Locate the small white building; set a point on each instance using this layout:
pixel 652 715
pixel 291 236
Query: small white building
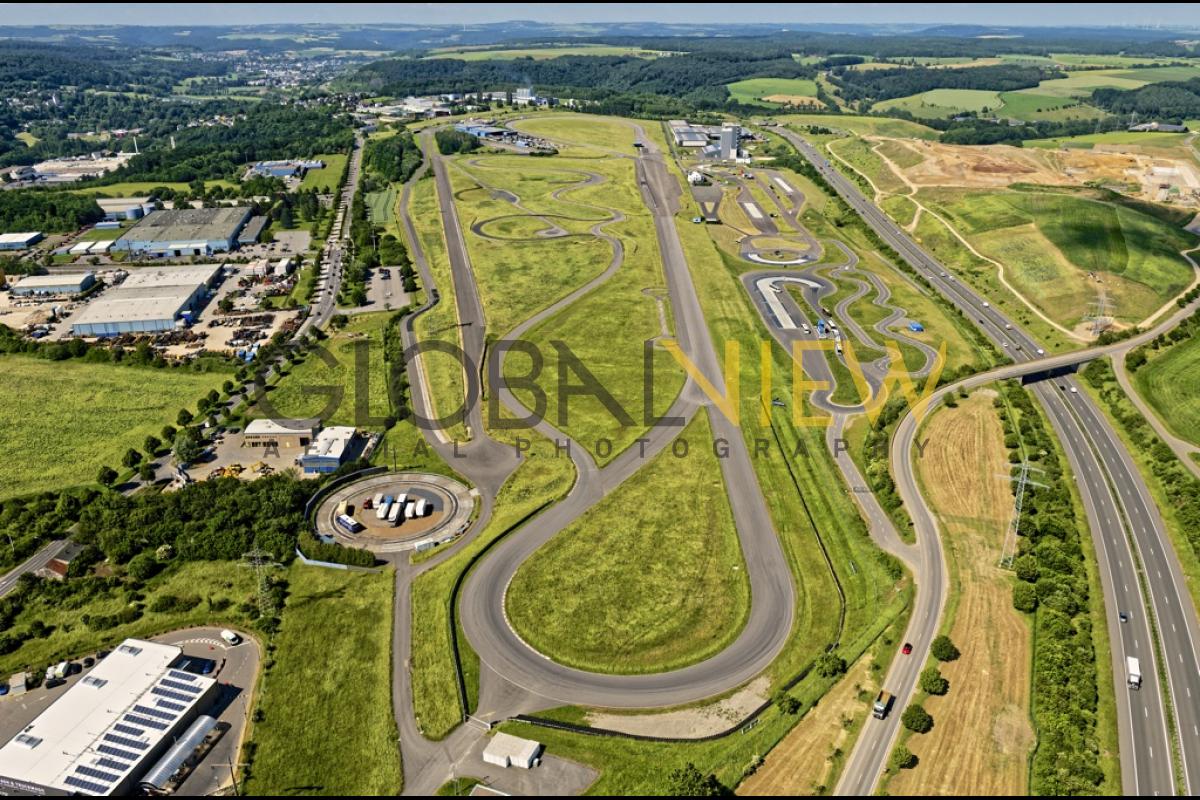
pixel 505 750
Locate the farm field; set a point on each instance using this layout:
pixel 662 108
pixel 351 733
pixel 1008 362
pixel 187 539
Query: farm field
pixel 1049 242
pixel 1168 381
pixel 1028 106
pixel 803 760
pixel 604 596
pixel 774 91
pixel 938 103
pixel 329 611
pixel 77 416
pixel 981 740
pixel 326 179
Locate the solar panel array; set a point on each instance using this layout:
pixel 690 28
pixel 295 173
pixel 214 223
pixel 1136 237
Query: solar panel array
pixel 125 745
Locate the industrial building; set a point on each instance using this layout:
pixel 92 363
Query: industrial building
pixel 148 301
pixel 686 135
pixel 57 284
pixel 728 141
pixel 285 169
pixel 280 432
pixel 251 231
pixel 185 232
pixel 111 728
pixel 19 241
pixel 329 450
pixel 119 208
pixel 506 750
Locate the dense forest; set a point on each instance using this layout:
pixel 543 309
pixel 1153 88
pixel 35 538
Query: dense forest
pixel 873 85
pixel 1174 101
pixel 588 77
pixel 221 151
pixel 47 211
pixel 395 158
pixel 28 65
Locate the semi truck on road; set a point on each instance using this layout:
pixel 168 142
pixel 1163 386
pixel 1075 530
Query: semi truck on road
pixel 883 704
pixel 1133 672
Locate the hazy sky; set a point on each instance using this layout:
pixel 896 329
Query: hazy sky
pixel 249 13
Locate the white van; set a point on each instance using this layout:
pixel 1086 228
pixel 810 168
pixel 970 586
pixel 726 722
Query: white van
pixel 230 637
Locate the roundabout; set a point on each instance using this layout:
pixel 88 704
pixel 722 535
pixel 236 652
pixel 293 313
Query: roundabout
pixel 418 510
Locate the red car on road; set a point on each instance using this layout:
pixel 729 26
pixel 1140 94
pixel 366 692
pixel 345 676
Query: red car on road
pixel 907 649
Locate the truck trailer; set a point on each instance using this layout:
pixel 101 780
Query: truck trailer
pixel 1133 672
pixel 883 704
pixel 385 505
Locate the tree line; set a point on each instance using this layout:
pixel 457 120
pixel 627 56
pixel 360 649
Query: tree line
pixel 1052 584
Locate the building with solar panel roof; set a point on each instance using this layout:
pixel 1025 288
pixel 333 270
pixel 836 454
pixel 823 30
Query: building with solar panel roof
pixel 110 728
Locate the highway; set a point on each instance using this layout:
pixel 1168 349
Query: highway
pixel 1124 522
pixel 32 564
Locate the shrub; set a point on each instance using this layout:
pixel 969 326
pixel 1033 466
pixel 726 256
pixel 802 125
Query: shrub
pixel 933 682
pixel 917 719
pixel 943 649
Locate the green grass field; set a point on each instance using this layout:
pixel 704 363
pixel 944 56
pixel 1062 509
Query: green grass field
pixel 309 706
pixel 1142 139
pixel 593 134
pixel 28 138
pixel 1029 106
pixel 1170 382
pixel 649 580
pixel 543 53
pixel 938 103
pixel 381 206
pixel 1082 84
pixel 325 179
pixel 870 126
pixel 752 91
pixel 1049 242
pixel 69 638
pixel 139 188
pixel 76 417
pixel 859 154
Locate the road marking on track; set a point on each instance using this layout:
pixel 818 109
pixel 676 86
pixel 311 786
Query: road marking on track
pixel 752 210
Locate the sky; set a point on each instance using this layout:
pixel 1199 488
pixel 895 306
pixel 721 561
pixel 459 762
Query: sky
pixel 1028 14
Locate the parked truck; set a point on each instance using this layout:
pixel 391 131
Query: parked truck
pixel 1133 672
pixel 393 516
pixel 385 505
pixel 883 704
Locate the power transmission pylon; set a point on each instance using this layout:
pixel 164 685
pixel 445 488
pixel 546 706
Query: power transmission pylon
pixel 261 562
pixel 1009 550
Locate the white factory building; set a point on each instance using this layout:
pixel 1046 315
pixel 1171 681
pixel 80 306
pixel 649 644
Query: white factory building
pixel 109 729
pixel 151 300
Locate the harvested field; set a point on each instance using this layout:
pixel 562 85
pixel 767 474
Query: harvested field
pixel 801 762
pixel 982 736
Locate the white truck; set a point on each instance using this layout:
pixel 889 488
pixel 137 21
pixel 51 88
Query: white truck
pixel 422 507
pixel 383 507
pixel 883 704
pixel 1133 672
pixel 410 510
pixel 393 516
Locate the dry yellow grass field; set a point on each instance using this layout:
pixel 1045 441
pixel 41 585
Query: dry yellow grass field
pixel 801 762
pixel 982 735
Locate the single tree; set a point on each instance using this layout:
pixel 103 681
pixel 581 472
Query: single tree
pixel 943 649
pixel 917 719
pixel 107 476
